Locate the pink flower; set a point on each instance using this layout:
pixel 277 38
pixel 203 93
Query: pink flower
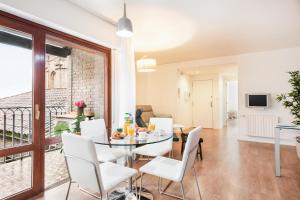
pixel 80 104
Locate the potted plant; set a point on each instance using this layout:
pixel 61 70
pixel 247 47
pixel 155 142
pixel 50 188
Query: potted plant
pixel 76 124
pixel 291 100
pixel 61 127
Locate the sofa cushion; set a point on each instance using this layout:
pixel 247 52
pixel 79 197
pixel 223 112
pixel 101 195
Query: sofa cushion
pixel 147 112
pixel 146 116
pixel 145 108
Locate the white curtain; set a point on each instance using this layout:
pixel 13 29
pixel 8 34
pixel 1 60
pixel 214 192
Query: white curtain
pixel 124 92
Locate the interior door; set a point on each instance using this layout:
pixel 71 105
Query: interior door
pixel 202 103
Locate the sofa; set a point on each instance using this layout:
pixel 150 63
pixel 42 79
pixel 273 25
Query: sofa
pixel 145 112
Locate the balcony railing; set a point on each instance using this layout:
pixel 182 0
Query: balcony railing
pixel 16 126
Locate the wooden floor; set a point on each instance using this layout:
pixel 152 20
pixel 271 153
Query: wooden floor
pixel 231 169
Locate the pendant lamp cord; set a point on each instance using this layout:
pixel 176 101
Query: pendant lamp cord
pixel 124 9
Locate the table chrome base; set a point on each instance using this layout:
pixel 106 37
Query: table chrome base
pixel 124 194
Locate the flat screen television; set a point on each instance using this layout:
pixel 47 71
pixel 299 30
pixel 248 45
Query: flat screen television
pixel 258 100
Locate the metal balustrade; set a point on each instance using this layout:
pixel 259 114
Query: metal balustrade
pixel 16 126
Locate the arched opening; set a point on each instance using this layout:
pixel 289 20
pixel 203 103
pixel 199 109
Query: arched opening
pixel 52 79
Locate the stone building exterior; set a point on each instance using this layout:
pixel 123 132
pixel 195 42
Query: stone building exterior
pixel 82 75
pixel 86 81
pixel 79 76
pixel 56 72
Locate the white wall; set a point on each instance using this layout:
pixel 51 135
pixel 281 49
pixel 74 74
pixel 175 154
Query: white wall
pixel 64 16
pixel 232 96
pixel 257 72
pixel 160 89
pixel 266 72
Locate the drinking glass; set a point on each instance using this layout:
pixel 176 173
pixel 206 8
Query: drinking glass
pixel 151 127
pixel 130 131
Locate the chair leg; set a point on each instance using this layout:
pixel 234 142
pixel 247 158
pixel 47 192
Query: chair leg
pixel 171 154
pixel 141 186
pixel 195 175
pixel 162 190
pixel 159 185
pixel 200 149
pixel 69 186
pixel 107 196
pixel 126 161
pixel 136 187
pixel 182 190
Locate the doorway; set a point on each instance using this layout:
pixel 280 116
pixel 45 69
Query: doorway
pixel 231 98
pixel 203 103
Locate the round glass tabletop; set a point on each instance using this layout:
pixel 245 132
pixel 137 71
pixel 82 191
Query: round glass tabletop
pixel 150 138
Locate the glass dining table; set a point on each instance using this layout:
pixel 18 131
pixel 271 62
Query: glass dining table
pixel 129 143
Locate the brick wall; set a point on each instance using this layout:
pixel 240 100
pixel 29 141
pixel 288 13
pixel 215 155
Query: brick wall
pixel 86 81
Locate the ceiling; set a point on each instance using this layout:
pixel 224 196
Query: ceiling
pixel 210 69
pixel 181 30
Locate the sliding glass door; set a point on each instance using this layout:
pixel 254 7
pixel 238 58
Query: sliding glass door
pixel 73 73
pixel 21 65
pixel 43 73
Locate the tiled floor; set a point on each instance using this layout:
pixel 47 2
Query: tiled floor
pixel 16 176
pixel 55 168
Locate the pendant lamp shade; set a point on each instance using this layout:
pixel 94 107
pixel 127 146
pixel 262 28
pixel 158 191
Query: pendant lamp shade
pixel 124 26
pixel 146 65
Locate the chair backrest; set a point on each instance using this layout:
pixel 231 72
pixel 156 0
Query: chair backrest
pixel 165 124
pixel 82 162
pixel 190 151
pixel 93 128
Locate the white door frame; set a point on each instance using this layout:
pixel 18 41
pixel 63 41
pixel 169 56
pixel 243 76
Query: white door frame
pixel 212 100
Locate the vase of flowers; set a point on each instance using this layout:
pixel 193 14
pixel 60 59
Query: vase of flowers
pixel 291 100
pixel 80 107
pixel 80 116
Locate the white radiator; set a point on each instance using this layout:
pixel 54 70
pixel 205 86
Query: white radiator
pixel 261 125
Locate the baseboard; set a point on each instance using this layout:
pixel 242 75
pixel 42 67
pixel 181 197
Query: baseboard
pixel 283 141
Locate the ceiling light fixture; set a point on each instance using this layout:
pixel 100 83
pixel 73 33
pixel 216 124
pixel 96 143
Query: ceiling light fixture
pixel 124 25
pixel 146 65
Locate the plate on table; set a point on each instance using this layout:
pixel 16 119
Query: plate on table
pixel 117 136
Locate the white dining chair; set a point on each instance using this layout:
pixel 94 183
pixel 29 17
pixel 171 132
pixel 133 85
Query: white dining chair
pixel 162 148
pixel 84 168
pixel 175 170
pixel 97 128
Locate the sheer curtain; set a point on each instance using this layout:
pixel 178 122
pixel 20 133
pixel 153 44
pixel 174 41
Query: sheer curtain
pixel 124 82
